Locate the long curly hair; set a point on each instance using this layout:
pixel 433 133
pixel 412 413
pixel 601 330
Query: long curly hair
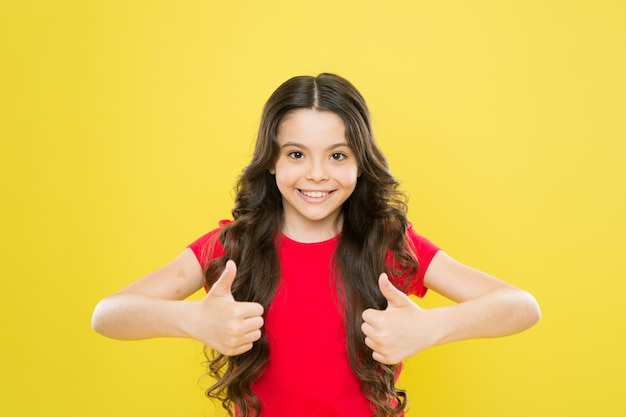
pixel 374 228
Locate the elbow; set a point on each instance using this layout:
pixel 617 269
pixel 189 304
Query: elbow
pixel 521 310
pixel 98 318
pixel 531 310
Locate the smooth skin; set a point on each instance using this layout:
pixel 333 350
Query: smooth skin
pixel 486 307
pixel 316 172
pixel 155 306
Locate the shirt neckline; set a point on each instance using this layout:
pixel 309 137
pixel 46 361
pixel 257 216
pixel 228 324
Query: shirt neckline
pixel 289 240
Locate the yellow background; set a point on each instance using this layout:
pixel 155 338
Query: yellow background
pixel 125 123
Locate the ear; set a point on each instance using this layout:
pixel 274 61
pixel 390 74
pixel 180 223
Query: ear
pixel 272 170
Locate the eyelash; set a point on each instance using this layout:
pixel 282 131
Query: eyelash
pixel 336 156
pixel 295 155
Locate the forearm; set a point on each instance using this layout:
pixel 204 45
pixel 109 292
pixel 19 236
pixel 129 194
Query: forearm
pixel 128 316
pixel 501 312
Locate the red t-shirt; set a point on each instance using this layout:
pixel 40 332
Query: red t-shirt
pixel 308 373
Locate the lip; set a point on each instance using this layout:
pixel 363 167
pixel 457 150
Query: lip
pixel 315 196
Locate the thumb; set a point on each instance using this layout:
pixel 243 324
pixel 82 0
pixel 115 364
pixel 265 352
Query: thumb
pixel 222 286
pixel 395 297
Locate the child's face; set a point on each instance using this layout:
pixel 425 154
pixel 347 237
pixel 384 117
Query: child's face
pixel 316 170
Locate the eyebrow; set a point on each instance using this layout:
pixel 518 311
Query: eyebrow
pixel 299 145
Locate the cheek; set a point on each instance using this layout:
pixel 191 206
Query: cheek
pixel 285 176
pixel 348 177
pixel 353 172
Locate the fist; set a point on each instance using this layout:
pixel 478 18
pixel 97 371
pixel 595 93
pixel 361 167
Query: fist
pixel 392 333
pixel 226 325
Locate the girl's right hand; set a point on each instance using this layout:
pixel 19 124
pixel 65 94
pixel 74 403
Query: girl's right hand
pixel 221 322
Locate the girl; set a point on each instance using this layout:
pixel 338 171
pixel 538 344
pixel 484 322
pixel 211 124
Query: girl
pixel 307 312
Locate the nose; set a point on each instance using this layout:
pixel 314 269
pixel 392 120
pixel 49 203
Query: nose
pixel 317 171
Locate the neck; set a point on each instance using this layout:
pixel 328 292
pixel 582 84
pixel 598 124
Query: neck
pixel 311 232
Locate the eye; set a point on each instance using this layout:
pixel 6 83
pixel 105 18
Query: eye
pixel 337 156
pixel 296 155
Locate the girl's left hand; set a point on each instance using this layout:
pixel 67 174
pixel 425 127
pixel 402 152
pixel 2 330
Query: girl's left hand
pixel 401 330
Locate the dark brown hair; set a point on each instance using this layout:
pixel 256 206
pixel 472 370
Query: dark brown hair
pixel 374 226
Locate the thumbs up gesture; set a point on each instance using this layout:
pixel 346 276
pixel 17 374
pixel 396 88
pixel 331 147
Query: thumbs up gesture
pixel 221 322
pixel 399 331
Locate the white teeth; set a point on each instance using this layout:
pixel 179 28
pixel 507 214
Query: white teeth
pixel 314 194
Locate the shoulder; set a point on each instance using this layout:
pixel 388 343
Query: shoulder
pixel 209 245
pixel 424 249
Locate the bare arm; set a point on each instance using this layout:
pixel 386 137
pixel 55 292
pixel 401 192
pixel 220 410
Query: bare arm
pixel 151 306
pixel 155 306
pixel 486 307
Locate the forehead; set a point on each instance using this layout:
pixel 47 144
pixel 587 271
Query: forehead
pixel 311 124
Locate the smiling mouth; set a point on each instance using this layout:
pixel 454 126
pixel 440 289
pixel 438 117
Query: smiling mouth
pixel 315 194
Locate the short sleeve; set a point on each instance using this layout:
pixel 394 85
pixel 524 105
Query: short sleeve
pixel 425 250
pixel 208 246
